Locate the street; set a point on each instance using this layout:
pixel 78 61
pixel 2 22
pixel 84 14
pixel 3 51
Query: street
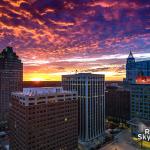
pixel 122 142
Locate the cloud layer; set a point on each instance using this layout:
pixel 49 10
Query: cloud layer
pixel 55 37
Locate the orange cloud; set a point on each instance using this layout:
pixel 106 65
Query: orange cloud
pixel 47 11
pixel 103 4
pixel 115 4
pixel 62 23
pixel 15 3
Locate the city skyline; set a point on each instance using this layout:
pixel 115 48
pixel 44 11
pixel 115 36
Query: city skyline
pixel 61 36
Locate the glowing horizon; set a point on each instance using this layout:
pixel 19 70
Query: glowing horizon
pixel 39 77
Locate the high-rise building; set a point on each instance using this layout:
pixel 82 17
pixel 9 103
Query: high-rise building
pixel 135 69
pixel 11 79
pixel 140 101
pixel 43 119
pixel 140 106
pixel 138 83
pixel 117 104
pixel 91 96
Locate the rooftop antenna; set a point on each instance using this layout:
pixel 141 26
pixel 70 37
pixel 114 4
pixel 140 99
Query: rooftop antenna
pixel 76 71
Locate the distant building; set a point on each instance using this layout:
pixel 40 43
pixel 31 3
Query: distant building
pixel 44 119
pixel 91 96
pixel 29 84
pixel 117 104
pixel 140 101
pixel 11 79
pixel 135 69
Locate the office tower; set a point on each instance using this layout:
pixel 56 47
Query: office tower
pixel 140 101
pixel 136 68
pixel 117 104
pixel 11 78
pixel 90 89
pixel 140 105
pixel 44 119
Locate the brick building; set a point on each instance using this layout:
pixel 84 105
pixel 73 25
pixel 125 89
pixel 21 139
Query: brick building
pixel 44 119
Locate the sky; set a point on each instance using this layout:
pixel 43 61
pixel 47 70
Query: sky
pixel 55 37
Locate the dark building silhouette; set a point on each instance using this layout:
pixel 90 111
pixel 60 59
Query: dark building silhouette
pixel 44 119
pixel 11 79
pixel 117 104
pixel 29 84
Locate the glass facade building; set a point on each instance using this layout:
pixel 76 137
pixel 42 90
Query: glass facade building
pixel 43 119
pixel 140 101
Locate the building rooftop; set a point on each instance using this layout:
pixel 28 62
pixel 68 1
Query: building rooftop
pixel 142 61
pixel 40 91
pixel 8 54
pixel 137 61
pixel 84 75
pixel 44 95
pixel 130 55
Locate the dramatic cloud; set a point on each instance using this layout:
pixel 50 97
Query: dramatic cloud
pixel 55 37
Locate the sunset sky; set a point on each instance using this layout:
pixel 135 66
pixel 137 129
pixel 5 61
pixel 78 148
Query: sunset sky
pixel 55 37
